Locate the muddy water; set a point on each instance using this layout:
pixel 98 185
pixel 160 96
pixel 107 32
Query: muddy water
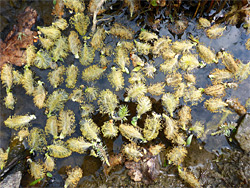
pixel 233 41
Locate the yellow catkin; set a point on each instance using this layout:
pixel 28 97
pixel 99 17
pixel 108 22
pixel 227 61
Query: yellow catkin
pixel 42 60
pixel 215 31
pixel 71 73
pixel 37 139
pixel 60 50
pixel 152 126
pixel 98 38
pixel 9 101
pixel 156 89
pixel 36 170
pixel 55 77
pixel 28 81
pixel 39 95
pixel 66 123
pixel 177 155
pixel 130 132
pixel 78 145
pixel 89 129
pixel 107 102
pixel 7 76
pixel 49 163
pixel 81 23
pixel 52 126
pixel 74 44
pixel 121 31
pixel 92 73
pixel 74 177
pixel 189 178
pixel 132 152
pixel 109 129
pixel 116 79
pixel 59 150
pixel 18 121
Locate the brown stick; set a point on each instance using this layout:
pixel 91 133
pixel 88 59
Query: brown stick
pixel 98 6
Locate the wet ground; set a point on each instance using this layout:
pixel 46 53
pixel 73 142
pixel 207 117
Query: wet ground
pixel 214 160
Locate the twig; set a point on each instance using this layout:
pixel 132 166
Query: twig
pixel 98 6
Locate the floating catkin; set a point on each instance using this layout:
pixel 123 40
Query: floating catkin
pixel 71 73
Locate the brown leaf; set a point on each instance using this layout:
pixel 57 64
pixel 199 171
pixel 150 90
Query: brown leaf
pixel 13 47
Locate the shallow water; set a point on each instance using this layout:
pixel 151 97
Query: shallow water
pixel 233 41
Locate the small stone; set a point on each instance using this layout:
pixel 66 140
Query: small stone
pixel 243 133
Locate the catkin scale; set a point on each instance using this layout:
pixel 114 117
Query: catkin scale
pixel 98 38
pixel 147 36
pixel 81 23
pixel 189 178
pixel 156 89
pixel 121 58
pixel 215 31
pixel 215 90
pixel 75 5
pixel 136 90
pixel 215 105
pixel 170 102
pixel 60 23
pixel 50 32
